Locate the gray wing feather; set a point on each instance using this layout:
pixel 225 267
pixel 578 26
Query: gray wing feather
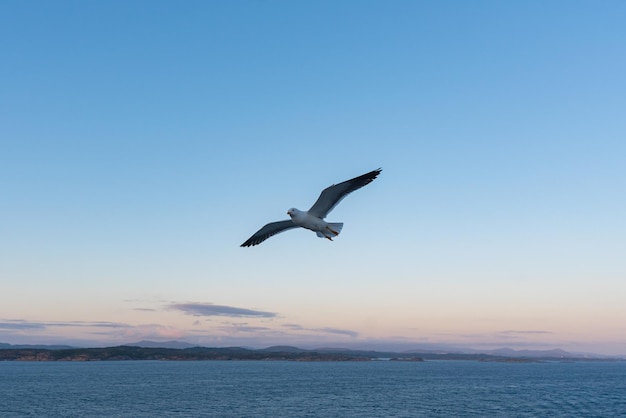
pixel 267 231
pixel 331 196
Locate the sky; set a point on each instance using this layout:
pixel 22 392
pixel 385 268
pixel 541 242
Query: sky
pixel 142 142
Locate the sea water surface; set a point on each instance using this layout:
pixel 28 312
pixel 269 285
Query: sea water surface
pixel 315 389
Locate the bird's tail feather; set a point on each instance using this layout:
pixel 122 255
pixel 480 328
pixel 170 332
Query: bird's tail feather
pixel 335 229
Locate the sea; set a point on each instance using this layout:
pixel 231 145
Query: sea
pixel 449 388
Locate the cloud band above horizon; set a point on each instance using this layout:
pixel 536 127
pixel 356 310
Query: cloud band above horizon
pixel 208 309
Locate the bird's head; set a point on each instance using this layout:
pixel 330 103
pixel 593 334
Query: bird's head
pixel 292 212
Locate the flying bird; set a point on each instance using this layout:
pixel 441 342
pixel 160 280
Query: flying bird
pixel 313 218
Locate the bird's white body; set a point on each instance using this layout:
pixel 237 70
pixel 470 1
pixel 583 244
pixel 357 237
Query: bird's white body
pixel 323 229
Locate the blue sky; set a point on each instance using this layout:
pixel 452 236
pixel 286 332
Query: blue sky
pixel 142 142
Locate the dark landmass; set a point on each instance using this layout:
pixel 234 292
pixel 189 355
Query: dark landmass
pixel 146 353
pixel 286 349
pixel 161 344
pixel 238 353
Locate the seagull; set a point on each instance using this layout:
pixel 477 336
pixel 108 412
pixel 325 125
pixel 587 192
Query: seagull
pixel 313 218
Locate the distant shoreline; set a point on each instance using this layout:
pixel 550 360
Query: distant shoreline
pixel 122 353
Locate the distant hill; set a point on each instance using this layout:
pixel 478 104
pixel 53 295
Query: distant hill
pixel 506 352
pixel 161 344
pixel 509 352
pixel 556 353
pixel 283 349
pixel 176 350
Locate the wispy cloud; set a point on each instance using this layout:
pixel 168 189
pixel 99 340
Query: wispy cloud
pixel 18 324
pixel 522 332
pixel 338 331
pixel 21 324
pixel 242 328
pixel 208 309
pixel 87 332
pixel 296 327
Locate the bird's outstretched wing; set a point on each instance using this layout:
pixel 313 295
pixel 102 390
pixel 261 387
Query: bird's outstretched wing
pixel 331 196
pixel 267 231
